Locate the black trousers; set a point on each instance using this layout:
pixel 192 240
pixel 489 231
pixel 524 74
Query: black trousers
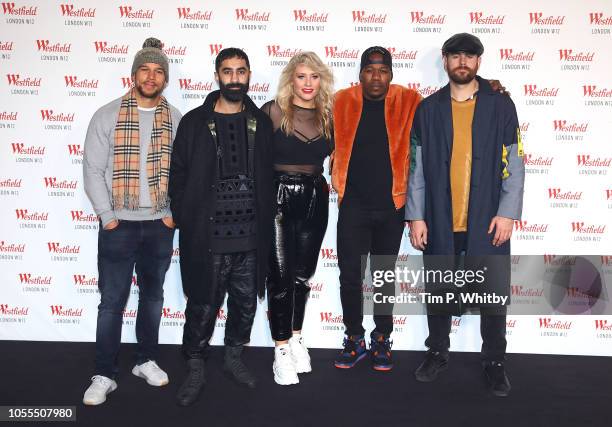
pixel 363 231
pixel 492 324
pixel 233 273
pixel 299 227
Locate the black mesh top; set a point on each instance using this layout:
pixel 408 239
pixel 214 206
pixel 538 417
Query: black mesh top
pixel 305 146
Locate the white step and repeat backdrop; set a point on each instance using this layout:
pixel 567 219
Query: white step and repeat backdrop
pixel 60 61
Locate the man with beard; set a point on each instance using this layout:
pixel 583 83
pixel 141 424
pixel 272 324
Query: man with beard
pixel 465 191
pixel 125 167
pixel 221 191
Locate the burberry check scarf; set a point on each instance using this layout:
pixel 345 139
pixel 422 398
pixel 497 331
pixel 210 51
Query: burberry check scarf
pixel 126 162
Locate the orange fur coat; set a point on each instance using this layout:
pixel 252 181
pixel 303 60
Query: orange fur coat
pixel 400 105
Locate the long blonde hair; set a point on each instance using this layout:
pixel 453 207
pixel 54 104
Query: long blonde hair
pixel 323 100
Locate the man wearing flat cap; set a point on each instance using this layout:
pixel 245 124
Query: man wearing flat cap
pixel 372 123
pixel 465 191
pixel 126 166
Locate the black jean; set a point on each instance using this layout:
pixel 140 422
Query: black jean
pixel 363 231
pixel 145 246
pixel 300 222
pixel 492 324
pixel 233 273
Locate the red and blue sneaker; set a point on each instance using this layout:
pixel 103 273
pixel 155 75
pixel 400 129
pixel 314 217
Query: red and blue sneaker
pixel 380 352
pixel 354 350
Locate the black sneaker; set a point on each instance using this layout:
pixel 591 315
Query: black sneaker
pixel 434 363
pixel 354 350
pixel 498 381
pixel 380 352
pixel 193 384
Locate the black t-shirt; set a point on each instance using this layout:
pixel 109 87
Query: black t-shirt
pixel 369 179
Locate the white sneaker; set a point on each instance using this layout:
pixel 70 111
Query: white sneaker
pixel 99 388
pixel 152 373
pixel 299 352
pixel 283 367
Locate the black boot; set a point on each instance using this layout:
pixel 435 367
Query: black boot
pixel 235 369
pixel 193 384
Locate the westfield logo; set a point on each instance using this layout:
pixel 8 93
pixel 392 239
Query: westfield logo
pixel 329 317
pixel 580 227
pixel 129 13
pixel 334 52
pixel 525 227
pixel 10 9
pixel 126 82
pixel 28 279
pixel 557 194
pixel 420 18
pixel 215 49
pixel 362 17
pixel 75 150
pixel 168 313
pixel 424 91
pixel 80 216
pixel 531 160
pixel 275 50
pixel 533 90
pixel 50 116
pixel 403 54
pixel 186 84
pixel 259 87
pixel 597 162
pixel 592 92
pixel 603 325
pixel 559 261
pixel 563 126
pixel 25 215
pixel 328 254
pixel 221 315
pixel 12 116
pixel 548 323
pixel 59 310
pixel 538 18
pixel 245 15
pixel 198 15
pixel 6 46
pixel 510 55
pixel 479 18
pixel 53 182
pixel 69 10
pixel 57 248
pixel 302 15
pixel 46 46
pixel 73 81
pixel 521 291
pixel 19 148
pixel 12 247
pixel 7 310
pixel 597 18
pixel 83 280
pixel 570 56
pixel 16 80
pixel 104 47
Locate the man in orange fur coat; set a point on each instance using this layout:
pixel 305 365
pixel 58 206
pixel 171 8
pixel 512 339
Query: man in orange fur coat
pixel 372 124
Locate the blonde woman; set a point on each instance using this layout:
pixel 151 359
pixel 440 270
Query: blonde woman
pixel 301 114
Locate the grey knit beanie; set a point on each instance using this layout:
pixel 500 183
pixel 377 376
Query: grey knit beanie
pixel 151 52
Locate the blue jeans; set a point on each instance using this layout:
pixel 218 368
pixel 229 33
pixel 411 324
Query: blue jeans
pixel 145 246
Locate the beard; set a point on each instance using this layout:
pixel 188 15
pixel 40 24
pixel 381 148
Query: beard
pixel 234 92
pixel 150 95
pixel 462 78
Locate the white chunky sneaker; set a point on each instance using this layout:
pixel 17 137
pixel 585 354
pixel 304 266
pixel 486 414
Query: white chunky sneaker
pixel 283 367
pixel 99 388
pixel 299 352
pixel 152 373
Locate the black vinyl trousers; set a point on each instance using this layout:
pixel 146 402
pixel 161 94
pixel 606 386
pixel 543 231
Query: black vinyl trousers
pixel 361 232
pixel 300 222
pixel 233 273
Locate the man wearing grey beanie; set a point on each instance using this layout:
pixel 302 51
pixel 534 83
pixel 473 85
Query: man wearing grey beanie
pixel 126 166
